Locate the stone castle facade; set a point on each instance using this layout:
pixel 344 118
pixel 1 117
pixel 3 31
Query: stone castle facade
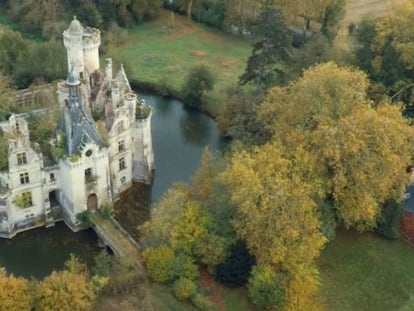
pixel 98 159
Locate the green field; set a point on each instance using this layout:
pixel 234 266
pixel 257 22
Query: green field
pixel 157 53
pixel 361 272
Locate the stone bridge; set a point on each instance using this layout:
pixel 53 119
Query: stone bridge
pixel 116 238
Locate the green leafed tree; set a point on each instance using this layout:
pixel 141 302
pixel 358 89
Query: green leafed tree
pixel 198 81
pixel 269 62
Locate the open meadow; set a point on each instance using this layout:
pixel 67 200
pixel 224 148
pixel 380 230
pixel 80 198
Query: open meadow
pixel 158 53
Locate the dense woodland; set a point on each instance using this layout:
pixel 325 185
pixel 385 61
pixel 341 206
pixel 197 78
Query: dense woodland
pixel 321 140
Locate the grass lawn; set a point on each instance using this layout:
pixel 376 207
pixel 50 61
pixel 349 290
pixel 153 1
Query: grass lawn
pixel 157 53
pixel 361 272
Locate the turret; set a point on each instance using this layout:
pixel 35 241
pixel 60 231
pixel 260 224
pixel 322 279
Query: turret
pixel 82 45
pixel 72 39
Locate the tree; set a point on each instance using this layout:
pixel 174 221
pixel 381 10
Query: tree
pixel 241 13
pixel 65 291
pixel 235 270
pixel 184 288
pixel 160 263
pixel 309 10
pixel 268 64
pixel 194 219
pixel 44 62
pixel 361 163
pixel 7 95
pixel 302 291
pixel 13 47
pixel 385 52
pixel 266 288
pixel 238 118
pixel 198 81
pixel 15 293
pixel 275 213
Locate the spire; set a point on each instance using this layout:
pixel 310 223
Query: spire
pixel 75 26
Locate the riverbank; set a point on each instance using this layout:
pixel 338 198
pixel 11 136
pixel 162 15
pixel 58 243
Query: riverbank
pixel 157 57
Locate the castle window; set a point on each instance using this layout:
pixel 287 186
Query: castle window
pixel 121 146
pixel 123 180
pixel 24 178
pixel 52 177
pixel 21 158
pixel 122 164
pixel 88 172
pixel 17 126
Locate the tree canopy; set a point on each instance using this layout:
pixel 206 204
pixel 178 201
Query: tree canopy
pixel 362 150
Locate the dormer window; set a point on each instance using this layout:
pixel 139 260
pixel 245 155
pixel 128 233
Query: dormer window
pixel 21 158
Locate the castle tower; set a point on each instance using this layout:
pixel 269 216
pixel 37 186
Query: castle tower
pixel 143 156
pixel 82 45
pixel 72 39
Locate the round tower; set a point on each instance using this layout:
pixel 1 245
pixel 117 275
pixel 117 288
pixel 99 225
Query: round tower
pixel 72 39
pixel 91 43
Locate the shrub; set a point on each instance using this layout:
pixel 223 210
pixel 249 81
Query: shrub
pixel 106 210
pixel 203 303
pixel 160 263
pixel 266 288
pixel 184 267
pixel 103 264
pixel 84 218
pixel 184 288
pixel 390 220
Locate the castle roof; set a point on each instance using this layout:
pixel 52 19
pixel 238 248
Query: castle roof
pixel 122 77
pixel 78 126
pixel 84 131
pixel 75 26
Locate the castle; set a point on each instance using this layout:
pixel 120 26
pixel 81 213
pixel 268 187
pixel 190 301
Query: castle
pixel 97 160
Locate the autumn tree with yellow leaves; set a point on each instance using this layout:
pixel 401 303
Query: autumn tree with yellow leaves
pixel 361 150
pixel 15 293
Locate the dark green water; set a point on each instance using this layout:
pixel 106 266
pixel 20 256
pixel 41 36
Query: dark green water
pixel 179 138
pixel 37 252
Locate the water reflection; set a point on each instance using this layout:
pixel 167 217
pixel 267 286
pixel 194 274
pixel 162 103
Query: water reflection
pixel 195 128
pixel 133 208
pixel 179 138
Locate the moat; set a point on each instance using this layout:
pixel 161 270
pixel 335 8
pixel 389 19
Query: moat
pixel 179 138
